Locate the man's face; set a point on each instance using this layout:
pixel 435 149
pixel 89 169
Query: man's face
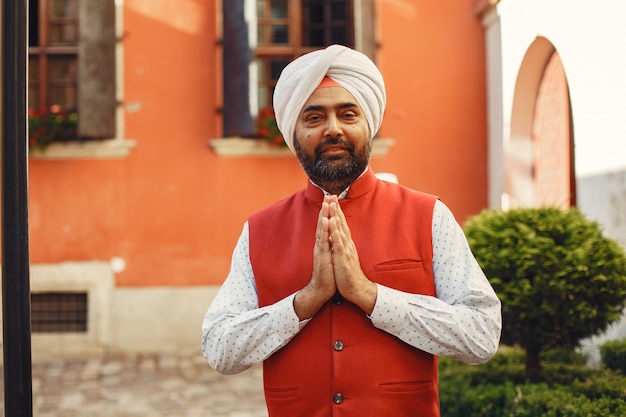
pixel 332 138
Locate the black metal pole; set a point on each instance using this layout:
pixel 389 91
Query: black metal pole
pixel 18 394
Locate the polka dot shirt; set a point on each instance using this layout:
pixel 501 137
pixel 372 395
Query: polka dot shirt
pixel 463 321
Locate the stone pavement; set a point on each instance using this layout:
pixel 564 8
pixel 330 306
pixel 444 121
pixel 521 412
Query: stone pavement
pixel 142 386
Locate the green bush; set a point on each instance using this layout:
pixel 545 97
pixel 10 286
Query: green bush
pixel 559 279
pixel 497 389
pixel 614 355
pixel 601 384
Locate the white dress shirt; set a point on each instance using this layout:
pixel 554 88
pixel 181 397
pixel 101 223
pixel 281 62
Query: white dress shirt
pixel 463 321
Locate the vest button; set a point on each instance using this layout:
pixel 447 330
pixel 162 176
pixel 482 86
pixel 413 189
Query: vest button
pixel 337 299
pixel 338 345
pixel 338 398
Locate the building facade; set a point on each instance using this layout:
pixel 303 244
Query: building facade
pixel 490 104
pixel 132 227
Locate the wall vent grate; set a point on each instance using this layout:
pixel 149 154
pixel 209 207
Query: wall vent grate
pixel 59 312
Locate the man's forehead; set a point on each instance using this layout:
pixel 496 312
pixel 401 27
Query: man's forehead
pixel 330 97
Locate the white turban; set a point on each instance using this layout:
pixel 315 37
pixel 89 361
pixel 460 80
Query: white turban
pixel 353 70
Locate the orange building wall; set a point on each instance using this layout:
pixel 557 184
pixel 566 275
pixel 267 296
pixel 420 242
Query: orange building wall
pixel 433 59
pixel 173 209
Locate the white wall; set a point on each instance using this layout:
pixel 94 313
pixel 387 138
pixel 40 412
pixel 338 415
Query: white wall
pixel 590 38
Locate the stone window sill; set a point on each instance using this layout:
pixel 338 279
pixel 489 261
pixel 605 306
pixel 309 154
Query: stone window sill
pixel 101 149
pixel 253 147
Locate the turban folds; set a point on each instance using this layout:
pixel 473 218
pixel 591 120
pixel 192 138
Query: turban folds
pixel 353 70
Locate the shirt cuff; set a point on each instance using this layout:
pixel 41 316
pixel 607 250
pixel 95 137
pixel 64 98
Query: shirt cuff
pixel 292 323
pixel 385 311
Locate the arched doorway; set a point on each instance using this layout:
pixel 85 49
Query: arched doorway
pixel 540 155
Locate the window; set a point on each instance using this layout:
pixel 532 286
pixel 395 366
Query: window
pixel 53 51
pixel 262 36
pixel 326 22
pixel 288 29
pixel 71 64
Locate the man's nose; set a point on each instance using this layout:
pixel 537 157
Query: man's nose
pixel 333 126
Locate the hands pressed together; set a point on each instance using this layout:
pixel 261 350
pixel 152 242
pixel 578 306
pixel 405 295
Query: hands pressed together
pixel 336 266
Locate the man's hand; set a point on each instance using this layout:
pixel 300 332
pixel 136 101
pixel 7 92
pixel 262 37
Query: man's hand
pixel 322 285
pixel 351 282
pixel 336 266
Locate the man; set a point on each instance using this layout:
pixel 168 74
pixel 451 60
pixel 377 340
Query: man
pixel 348 290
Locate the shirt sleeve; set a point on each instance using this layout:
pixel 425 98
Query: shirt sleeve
pixel 464 320
pixel 236 333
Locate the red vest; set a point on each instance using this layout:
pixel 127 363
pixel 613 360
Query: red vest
pixel 340 364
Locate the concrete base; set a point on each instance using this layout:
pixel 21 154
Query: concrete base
pixel 120 320
pixel 159 320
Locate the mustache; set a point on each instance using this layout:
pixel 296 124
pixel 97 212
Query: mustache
pixel 334 141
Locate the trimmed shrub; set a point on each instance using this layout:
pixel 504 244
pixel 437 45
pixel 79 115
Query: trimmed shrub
pixel 559 279
pixel 614 355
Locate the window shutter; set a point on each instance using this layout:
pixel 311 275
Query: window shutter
pixel 96 69
pixel 237 57
pixel 368 44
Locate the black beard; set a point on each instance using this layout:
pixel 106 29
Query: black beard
pixel 334 174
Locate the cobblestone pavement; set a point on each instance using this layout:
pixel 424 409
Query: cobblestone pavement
pixel 142 386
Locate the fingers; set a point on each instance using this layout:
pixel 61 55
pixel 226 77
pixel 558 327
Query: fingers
pixel 350 280
pixel 342 247
pixel 340 236
pixel 336 263
pixel 322 232
pixel 336 212
pixel 322 283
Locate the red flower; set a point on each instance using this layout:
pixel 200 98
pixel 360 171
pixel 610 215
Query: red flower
pixel 267 129
pixel 55 125
pixel 267 112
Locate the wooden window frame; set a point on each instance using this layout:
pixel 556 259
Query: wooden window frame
pixel 295 47
pixel 101 92
pixel 96 100
pixel 44 51
pixel 348 23
pixel 239 54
